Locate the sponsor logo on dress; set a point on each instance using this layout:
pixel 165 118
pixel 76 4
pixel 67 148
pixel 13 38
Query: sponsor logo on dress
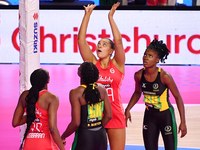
pixel 93 119
pixel 155 87
pixel 38 112
pixel 36 135
pixel 143 85
pixel 145 127
pixel 112 70
pixel 105 79
pixel 168 130
pixel 149 93
pixel 107 85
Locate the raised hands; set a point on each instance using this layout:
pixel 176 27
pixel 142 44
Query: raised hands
pixel 114 7
pixel 89 8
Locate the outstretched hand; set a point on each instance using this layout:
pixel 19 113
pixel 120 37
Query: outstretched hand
pixel 114 7
pixel 89 8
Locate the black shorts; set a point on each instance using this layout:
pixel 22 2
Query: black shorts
pixel 86 139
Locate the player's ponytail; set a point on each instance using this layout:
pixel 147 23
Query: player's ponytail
pixel 90 74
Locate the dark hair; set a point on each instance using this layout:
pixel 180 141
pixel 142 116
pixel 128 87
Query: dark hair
pixel 112 44
pixel 89 75
pixel 39 78
pixel 160 48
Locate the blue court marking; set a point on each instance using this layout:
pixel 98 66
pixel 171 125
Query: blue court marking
pixel 137 147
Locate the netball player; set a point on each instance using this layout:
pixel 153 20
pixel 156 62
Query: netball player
pixel 111 72
pixel 40 107
pixel 91 111
pixel 155 84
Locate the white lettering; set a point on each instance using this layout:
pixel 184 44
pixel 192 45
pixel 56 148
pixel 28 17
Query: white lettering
pixel 105 79
pixel 36 135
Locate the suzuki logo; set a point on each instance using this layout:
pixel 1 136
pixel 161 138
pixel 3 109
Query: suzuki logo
pixel 35 16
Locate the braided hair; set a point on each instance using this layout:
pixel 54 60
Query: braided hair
pixel 39 78
pixel 89 75
pixel 160 48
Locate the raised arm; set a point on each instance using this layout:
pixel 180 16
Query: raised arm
pixel 84 48
pixel 135 97
pixel 75 114
pixel 119 57
pixel 52 115
pixel 168 80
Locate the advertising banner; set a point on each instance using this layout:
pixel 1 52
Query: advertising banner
pixel 179 29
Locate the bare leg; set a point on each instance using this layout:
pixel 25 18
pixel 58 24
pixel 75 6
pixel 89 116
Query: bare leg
pixel 117 138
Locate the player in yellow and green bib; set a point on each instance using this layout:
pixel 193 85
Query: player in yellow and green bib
pixel 91 111
pixel 155 84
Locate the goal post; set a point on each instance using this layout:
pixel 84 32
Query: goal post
pixel 29 40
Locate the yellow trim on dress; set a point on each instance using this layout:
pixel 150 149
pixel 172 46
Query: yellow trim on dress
pixel 84 85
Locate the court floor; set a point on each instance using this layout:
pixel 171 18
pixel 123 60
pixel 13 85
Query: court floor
pixel 64 77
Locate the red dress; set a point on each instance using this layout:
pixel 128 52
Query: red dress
pixel 39 136
pixel 155 2
pixel 112 78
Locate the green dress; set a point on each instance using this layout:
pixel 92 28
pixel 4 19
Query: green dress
pixel 108 2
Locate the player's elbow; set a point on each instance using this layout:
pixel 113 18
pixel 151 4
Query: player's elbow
pixel 53 129
pixel 76 124
pixel 80 39
pixel 108 116
pixel 14 125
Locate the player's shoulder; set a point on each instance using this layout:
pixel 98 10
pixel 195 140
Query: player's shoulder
pixel 51 96
pixel 139 73
pixel 164 73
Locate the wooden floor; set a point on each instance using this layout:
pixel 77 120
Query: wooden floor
pixel 191 140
